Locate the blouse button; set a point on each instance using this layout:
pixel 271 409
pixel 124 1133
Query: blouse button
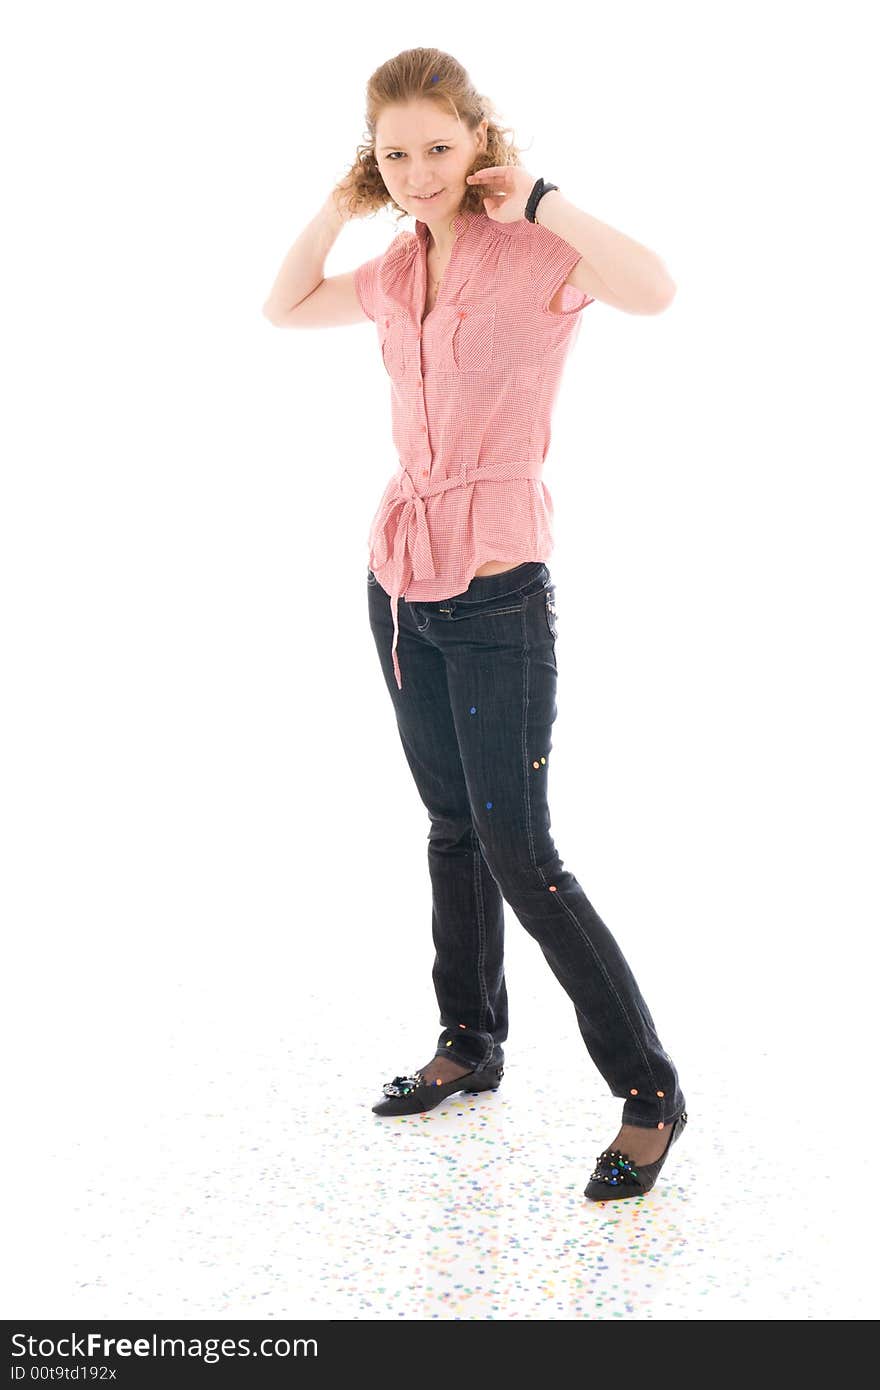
pixel 387 323
pixel 424 472
pixel 462 313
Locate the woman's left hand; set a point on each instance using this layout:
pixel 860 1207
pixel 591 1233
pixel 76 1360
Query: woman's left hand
pixel 509 186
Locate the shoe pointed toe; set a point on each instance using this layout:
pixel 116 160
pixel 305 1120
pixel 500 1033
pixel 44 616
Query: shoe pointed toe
pixel 408 1105
pixel 599 1191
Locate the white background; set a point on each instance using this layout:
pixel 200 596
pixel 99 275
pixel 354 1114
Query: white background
pixel 214 854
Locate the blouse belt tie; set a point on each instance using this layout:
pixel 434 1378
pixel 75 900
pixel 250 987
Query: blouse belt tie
pixel 412 535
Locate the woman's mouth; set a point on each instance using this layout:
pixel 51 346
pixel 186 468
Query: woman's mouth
pixel 430 197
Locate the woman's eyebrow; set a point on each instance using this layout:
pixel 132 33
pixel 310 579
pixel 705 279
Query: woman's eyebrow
pixel 443 140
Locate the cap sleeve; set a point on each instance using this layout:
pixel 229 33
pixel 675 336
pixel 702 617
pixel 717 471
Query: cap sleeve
pixel 366 282
pixel 552 260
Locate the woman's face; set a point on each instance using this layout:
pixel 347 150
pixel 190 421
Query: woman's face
pixel 422 149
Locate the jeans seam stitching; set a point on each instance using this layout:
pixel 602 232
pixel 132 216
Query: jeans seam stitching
pixel 585 936
pixel 481 935
pixel 527 800
pixel 522 588
pixel 498 612
pixel 414 610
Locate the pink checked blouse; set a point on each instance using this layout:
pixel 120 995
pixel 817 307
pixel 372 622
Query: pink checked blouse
pixel 472 392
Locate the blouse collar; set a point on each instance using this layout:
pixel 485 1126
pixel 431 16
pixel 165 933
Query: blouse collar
pixel 396 269
pixel 481 220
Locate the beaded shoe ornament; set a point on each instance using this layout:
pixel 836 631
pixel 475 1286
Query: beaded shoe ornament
pixel 403 1085
pixel 613 1166
pixel 615 1174
pixel 411 1094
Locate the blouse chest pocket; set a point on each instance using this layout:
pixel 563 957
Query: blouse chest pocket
pixel 392 339
pixel 466 336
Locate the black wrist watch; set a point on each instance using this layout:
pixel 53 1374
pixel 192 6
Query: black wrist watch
pixel 535 197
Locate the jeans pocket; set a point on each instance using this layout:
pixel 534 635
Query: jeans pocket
pixel 371 578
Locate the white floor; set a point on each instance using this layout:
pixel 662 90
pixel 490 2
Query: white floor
pixel 241 1174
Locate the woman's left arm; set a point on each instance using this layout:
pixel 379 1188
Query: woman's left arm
pixel 610 260
pixel 612 268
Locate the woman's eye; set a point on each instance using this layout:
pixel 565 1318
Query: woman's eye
pixel 436 147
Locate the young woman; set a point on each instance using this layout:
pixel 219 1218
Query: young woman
pixel 475 314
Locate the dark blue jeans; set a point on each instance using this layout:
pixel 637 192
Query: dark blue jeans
pixel 475 717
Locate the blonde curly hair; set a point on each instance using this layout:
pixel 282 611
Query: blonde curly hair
pixel 414 75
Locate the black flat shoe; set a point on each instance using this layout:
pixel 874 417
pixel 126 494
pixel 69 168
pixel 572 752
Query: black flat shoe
pixel 615 1174
pixel 411 1095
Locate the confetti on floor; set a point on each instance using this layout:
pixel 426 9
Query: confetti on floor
pixel 259 1184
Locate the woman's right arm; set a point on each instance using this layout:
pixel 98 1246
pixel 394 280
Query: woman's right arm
pixel 301 297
